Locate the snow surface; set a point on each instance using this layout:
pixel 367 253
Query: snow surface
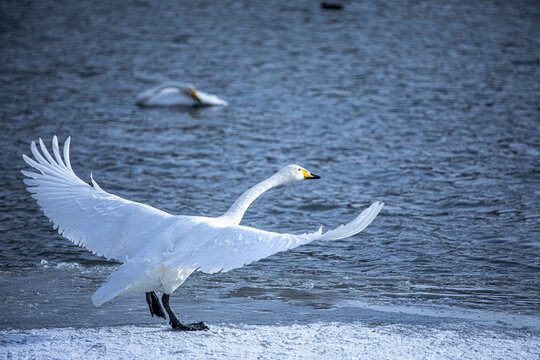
pixel 306 341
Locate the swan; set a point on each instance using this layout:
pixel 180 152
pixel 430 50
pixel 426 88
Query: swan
pixel 159 251
pixel 176 94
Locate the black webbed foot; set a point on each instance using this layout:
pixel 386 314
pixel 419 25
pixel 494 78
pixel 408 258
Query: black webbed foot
pixel 154 306
pixel 177 325
pixel 198 326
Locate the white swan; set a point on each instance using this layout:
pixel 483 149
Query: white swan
pixel 159 250
pixel 177 94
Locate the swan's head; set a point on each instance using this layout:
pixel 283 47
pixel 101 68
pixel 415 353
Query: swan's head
pixel 292 173
pixel 192 92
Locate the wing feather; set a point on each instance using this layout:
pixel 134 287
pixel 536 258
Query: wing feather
pixel 66 153
pixel 354 227
pixel 230 247
pixel 103 223
pixel 46 152
pixel 56 152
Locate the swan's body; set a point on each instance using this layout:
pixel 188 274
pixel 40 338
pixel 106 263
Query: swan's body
pixel 159 251
pixel 177 94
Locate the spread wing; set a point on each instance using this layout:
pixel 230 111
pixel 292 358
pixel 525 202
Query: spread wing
pixel 103 223
pixel 205 244
pixel 230 247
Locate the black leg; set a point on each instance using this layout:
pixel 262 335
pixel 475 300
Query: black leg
pixel 175 323
pixel 154 305
pixel 149 302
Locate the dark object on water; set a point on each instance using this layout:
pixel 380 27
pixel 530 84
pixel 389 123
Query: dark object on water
pixel 331 6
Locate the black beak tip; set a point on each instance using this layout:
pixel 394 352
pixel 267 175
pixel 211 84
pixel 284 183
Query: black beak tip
pixel 315 177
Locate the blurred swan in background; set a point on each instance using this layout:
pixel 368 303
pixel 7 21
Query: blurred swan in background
pixel 159 251
pixel 177 94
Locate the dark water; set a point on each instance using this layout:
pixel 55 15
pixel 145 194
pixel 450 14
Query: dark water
pixel 432 107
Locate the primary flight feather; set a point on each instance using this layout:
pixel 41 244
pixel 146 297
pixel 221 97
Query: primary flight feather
pixel 160 250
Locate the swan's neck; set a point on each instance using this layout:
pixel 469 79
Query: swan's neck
pixel 234 215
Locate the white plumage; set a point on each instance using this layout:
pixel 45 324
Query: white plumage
pixel 177 94
pixel 159 250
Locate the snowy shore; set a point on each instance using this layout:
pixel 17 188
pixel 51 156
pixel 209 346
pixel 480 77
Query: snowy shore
pixel 308 341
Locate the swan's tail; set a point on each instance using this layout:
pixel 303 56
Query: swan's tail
pixel 130 277
pixel 354 227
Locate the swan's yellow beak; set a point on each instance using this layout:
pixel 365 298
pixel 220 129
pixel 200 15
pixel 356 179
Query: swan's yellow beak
pixel 309 176
pixel 193 93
